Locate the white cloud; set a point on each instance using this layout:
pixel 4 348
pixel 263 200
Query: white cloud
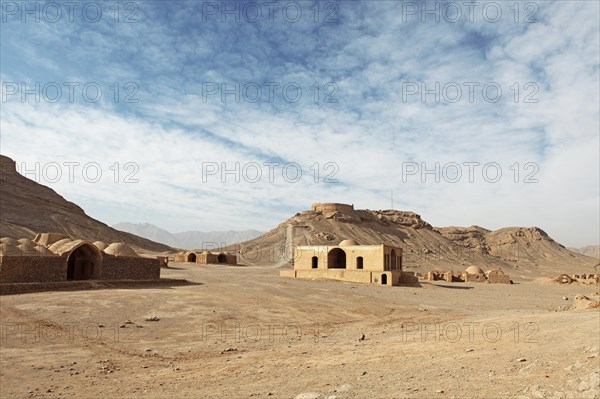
pixel 369 134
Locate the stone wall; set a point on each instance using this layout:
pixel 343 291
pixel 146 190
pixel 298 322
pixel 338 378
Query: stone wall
pixel 498 277
pixel 129 268
pixel 474 278
pixel 32 269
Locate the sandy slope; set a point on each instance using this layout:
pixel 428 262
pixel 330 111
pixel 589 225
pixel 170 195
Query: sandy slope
pixel 28 208
pixel 309 341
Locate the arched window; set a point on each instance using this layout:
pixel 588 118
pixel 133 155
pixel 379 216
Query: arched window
pixel 359 262
pixel 315 262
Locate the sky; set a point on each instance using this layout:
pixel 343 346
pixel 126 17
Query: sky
pixel 195 115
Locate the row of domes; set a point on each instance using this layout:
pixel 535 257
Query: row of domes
pixel 26 247
pixel 205 252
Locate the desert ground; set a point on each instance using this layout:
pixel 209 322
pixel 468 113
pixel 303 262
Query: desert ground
pixel 240 332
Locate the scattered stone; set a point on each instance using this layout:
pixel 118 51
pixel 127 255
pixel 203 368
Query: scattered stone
pixel 469 350
pixel 148 350
pixel 361 338
pixel 229 350
pixel 565 298
pixel 364 373
pixel 129 322
pixel 308 395
pixel 344 388
pixel 440 391
pixel 152 318
pixel 521 359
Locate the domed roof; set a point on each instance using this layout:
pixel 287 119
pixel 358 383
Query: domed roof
pixel 8 240
pixel 348 242
pixel 9 249
pixel 58 245
pixel 49 238
pixel 27 242
pixel 27 250
pixel 43 251
pixel 101 245
pixel 474 270
pixel 120 249
pixel 67 246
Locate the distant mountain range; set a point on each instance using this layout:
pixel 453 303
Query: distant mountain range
pixel 188 239
pixel 589 250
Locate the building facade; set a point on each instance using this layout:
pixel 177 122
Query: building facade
pixel 349 261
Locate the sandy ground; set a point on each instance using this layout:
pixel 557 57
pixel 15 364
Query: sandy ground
pixel 245 332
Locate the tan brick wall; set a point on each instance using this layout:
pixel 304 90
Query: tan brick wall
pixel 129 268
pixel 32 269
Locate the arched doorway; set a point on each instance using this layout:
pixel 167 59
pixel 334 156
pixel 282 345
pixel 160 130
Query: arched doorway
pixel 336 259
pixel 191 258
pixel 221 258
pixel 83 263
pixel 359 262
pixel 393 259
pixel 384 279
pixel 315 262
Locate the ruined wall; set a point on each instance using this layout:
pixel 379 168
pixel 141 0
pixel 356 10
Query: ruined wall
pixel 498 277
pixel 332 207
pixel 474 278
pixel 129 268
pixel 32 269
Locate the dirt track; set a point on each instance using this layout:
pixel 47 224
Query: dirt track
pixel 246 332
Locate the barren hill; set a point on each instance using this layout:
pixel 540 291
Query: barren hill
pixel 28 208
pixel 522 252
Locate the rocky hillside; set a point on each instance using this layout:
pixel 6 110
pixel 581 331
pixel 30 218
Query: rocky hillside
pixel 522 252
pixel 28 208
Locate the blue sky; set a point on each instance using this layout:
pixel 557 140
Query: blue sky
pixel 385 89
